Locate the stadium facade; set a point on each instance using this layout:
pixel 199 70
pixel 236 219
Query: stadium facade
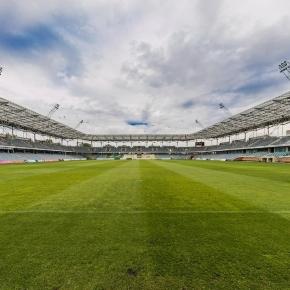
pixel 236 130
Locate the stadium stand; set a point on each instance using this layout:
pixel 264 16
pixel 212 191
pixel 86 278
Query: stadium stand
pixel 262 146
pixel 36 157
pixel 270 113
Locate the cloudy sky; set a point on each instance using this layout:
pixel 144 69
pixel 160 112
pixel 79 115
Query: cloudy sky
pixel 142 66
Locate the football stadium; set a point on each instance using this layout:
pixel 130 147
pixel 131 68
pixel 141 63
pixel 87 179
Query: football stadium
pixel 145 217
pixel 135 198
pixel 274 113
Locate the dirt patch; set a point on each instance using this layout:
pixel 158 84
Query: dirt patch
pixel 132 272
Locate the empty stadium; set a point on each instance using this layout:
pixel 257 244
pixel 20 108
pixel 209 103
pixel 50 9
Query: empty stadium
pixel 261 118
pixel 168 222
pixel 132 157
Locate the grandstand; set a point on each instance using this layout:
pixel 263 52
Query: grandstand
pixel 51 145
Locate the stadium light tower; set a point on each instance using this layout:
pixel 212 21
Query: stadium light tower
pixel 223 107
pixel 284 68
pixel 53 110
pixel 80 123
pixel 77 126
pixel 199 124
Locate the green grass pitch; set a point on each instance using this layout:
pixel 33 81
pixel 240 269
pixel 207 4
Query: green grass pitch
pixel 145 225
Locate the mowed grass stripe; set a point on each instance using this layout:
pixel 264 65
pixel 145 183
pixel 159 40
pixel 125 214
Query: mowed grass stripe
pixel 212 252
pixel 109 190
pixel 197 248
pixel 173 190
pixel 26 191
pixel 132 212
pixel 143 225
pixel 13 172
pixel 20 172
pixel 251 169
pixel 90 252
pixel 264 194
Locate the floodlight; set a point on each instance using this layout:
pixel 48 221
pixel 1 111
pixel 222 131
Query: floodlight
pixel 53 110
pixel 284 68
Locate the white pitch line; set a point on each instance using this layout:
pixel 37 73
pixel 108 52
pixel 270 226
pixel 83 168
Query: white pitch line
pixel 144 212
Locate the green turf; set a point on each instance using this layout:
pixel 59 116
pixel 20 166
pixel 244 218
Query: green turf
pixel 145 225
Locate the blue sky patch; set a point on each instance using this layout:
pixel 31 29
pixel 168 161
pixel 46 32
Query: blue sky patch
pixel 136 123
pixel 257 86
pixel 187 104
pixel 37 37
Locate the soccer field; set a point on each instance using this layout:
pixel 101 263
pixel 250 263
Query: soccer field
pixel 145 225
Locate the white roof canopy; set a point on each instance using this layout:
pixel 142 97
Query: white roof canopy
pixel 269 113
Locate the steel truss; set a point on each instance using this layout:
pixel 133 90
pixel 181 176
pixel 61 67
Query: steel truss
pixel 273 112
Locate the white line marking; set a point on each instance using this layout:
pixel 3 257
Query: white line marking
pixel 144 212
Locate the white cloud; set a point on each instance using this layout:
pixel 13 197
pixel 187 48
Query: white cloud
pixel 112 61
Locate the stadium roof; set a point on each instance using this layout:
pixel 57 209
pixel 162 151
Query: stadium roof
pixel 140 137
pixel 266 114
pixel 275 111
pixel 19 117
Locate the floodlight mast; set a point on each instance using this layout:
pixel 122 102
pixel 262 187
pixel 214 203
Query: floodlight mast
pixel 79 123
pixel 12 128
pixel 223 107
pixel 200 124
pixel 284 68
pixel 53 110
pixel 77 126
